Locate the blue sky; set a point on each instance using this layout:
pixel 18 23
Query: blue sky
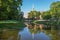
pixel 39 5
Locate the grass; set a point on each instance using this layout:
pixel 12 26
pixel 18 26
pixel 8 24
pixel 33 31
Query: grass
pixel 9 21
pixel 12 24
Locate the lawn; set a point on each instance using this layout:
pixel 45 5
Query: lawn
pixel 12 24
pixel 9 21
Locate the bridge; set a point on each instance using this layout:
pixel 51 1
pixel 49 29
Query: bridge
pixel 43 21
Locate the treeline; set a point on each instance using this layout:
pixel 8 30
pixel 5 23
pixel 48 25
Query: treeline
pixel 34 14
pixel 52 13
pixel 10 9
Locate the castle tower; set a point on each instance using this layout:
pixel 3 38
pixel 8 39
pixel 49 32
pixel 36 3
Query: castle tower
pixel 33 7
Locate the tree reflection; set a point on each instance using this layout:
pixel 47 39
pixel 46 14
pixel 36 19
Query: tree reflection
pixel 55 34
pixel 52 33
pixel 35 29
pixel 10 34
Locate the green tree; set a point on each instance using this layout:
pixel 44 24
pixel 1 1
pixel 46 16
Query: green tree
pixel 55 12
pixel 47 15
pixel 9 9
pixel 55 9
pixel 33 14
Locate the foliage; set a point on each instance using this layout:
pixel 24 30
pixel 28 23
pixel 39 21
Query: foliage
pixel 33 14
pixel 47 15
pixel 54 12
pixel 9 9
pixel 55 9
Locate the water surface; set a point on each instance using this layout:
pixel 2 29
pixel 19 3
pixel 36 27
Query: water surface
pixel 30 32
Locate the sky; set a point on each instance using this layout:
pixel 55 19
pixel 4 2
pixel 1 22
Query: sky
pixel 39 5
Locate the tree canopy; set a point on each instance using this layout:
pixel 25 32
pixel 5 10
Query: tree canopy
pixel 9 9
pixel 33 14
pixel 55 9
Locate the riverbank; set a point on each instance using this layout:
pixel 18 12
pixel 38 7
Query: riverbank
pixel 9 24
pixel 45 22
pixel 8 21
pixel 53 24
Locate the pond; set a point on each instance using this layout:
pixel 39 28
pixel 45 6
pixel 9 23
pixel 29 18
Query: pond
pixel 30 32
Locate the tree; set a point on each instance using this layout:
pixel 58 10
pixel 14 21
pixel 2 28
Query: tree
pixel 55 12
pixel 47 15
pixel 9 9
pixel 33 14
pixel 20 17
pixel 55 9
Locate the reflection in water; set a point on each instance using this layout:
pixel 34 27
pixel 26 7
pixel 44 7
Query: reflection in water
pixel 35 32
pixel 26 35
pixel 9 34
pixel 31 32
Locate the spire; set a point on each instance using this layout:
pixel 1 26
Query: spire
pixel 33 7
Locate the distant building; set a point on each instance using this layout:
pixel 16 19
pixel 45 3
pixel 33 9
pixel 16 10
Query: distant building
pixel 41 16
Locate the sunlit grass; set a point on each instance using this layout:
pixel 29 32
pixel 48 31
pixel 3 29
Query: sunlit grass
pixel 12 24
pixel 9 21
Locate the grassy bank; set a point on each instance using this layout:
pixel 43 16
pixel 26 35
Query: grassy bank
pixel 42 22
pixel 12 24
pixel 53 24
pixel 9 21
